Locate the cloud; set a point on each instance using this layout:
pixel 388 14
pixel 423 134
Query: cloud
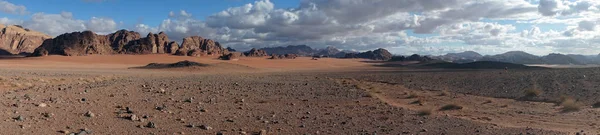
pixel 404 26
pixel 101 25
pixel 587 25
pixel 10 8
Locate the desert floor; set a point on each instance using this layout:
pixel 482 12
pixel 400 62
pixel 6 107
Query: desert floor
pixel 108 95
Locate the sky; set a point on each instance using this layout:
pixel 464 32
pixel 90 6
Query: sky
pixel 430 27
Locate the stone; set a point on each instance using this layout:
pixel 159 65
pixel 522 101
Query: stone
pixel 205 127
pixel 150 125
pixel 134 117
pixel 89 114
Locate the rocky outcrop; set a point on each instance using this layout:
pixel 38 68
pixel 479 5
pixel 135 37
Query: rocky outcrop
pixel 172 47
pixel 256 53
pixel 151 44
pixel 122 38
pixel 76 44
pixel 285 56
pixel 196 43
pixel 379 54
pixel 18 40
pixel 127 42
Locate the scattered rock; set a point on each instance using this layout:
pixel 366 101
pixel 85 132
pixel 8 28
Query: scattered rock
pixel 150 125
pixel 89 114
pixel 134 117
pixel 42 105
pixel 19 118
pixel 205 127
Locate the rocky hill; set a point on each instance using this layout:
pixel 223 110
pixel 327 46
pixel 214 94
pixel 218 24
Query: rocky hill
pixel 379 54
pixel 126 42
pixel 518 57
pixel 462 57
pixel 18 40
pixel 302 50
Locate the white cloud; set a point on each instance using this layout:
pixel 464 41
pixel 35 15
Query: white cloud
pixel 452 25
pixel 101 25
pixel 10 8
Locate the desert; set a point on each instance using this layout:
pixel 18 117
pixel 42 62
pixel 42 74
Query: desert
pixel 300 67
pixel 104 94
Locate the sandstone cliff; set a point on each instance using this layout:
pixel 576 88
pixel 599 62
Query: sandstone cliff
pixel 18 40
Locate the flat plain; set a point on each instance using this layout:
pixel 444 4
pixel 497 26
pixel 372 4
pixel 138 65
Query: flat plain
pixel 107 94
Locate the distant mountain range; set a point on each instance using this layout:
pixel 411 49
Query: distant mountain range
pixel 520 57
pixel 304 50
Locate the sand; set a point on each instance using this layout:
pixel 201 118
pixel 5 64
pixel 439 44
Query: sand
pixel 57 94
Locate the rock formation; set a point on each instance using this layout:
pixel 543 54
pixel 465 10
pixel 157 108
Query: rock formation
pixel 256 53
pixel 205 46
pixel 379 54
pixel 18 40
pixel 126 42
pixel 76 44
pixel 151 44
pixel 172 47
pixel 121 38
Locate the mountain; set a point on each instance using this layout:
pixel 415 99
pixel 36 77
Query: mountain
pixel 585 59
pixel 518 57
pixel 18 40
pixel 379 54
pixel 302 50
pixel 331 51
pixel 560 59
pixel 463 57
pixel 125 42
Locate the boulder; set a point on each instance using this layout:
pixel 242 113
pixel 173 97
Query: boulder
pixel 256 53
pixel 232 56
pixel 18 40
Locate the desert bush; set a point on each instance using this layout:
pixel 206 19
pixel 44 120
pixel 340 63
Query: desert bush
pixel 451 107
pixel 424 112
pixel 596 105
pixel 570 105
pixel 532 92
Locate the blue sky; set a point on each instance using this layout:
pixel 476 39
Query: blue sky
pixel 150 12
pixel 486 26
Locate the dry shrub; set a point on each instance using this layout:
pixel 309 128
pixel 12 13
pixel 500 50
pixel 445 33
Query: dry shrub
pixel 451 107
pixel 570 105
pixel 532 92
pixel 596 105
pixel 425 111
